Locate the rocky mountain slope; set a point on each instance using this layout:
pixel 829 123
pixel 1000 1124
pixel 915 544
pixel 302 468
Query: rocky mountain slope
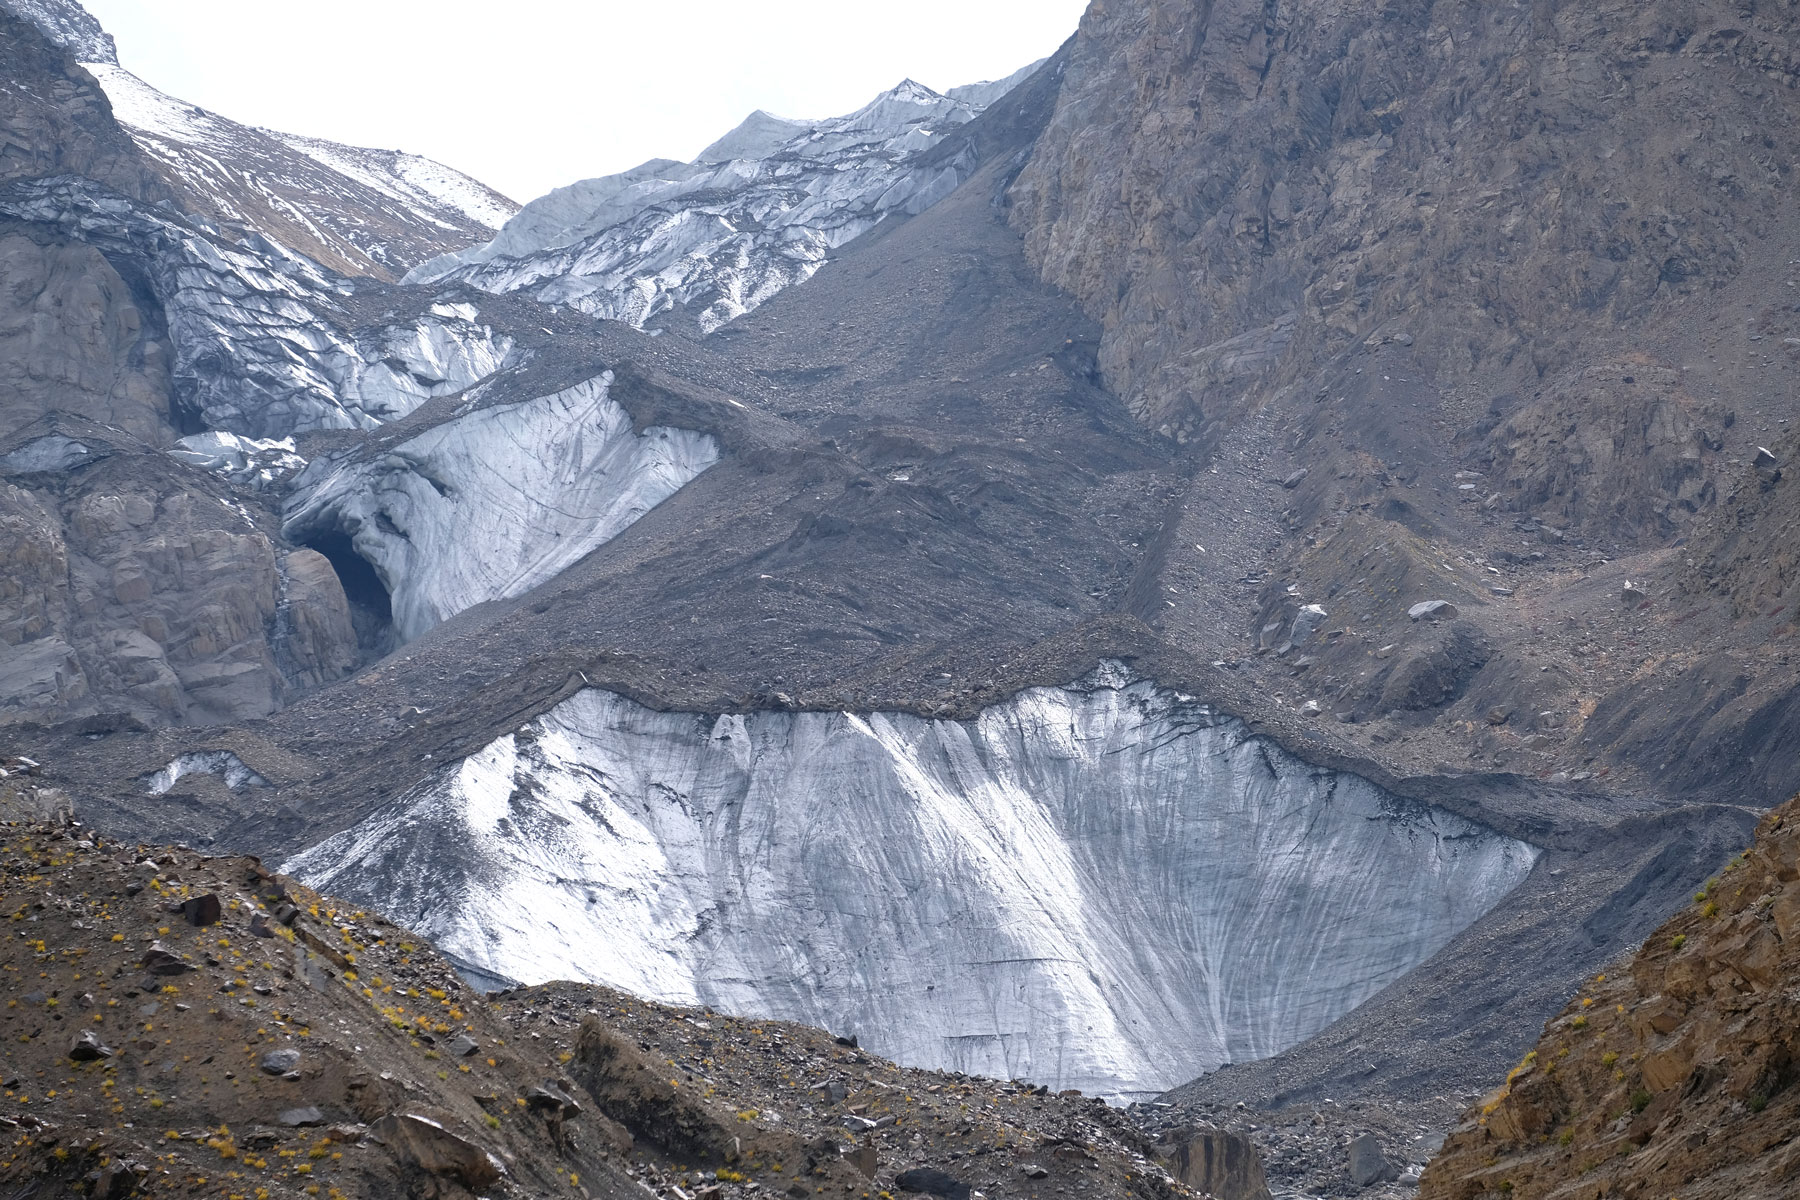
pixel 1673 1074
pixel 182 1025
pixel 355 210
pixel 760 210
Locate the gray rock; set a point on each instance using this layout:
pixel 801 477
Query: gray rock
pixel 833 1092
pixel 1306 623
pixel 279 1062
pixel 87 1047
pixel 1766 461
pixel 463 1046
pixel 1434 610
pixel 1295 480
pixel 1633 596
pixel 159 961
pixel 1368 1165
pixel 1500 714
pixel 301 1118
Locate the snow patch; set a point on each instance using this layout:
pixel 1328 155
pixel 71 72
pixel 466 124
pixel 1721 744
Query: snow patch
pixel 222 763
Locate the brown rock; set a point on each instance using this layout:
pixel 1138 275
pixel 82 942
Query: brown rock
pixel 1216 1162
pixel 425 1144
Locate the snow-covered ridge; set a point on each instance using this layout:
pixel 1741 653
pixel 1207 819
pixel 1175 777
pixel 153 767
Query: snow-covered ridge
pixel 1103 886
pixel 758 211
pixel 357 210
pixel 493 503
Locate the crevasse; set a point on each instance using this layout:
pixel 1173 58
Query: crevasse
pixel 1104 886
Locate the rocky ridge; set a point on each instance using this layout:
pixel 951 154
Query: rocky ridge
pixel 1671 1074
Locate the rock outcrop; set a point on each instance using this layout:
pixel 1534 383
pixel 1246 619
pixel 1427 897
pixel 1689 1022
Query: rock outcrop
pixel 134 584
pixel 1673 1076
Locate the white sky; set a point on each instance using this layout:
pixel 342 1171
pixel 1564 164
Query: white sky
pixel 527 95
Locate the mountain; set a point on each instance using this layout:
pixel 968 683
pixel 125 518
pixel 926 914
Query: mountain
pixel 356 211
pixel 759 210
pixel 1256 564
pixel 360 212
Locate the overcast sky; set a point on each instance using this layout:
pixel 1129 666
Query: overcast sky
pixel 528 95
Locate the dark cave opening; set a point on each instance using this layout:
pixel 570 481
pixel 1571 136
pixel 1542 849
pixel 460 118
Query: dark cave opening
pixel 371 609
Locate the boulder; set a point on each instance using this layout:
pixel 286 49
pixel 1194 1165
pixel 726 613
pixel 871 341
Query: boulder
pixel 423 1143
pixel 1434 610
pixel 159 961
pixel 202 910
pixel 1368 1165
pixel 926 1181
pixel 87 1048
pixel 1216 1163
pixel 301 1118
pixel 1306 623
pixel 1295 480
pixel 279 1062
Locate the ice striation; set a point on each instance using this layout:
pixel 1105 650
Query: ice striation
pixel 1105 886
pixel 494 502
pixel 758 211
pixel 356 210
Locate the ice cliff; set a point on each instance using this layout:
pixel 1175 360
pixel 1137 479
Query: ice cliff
pixel 1104 886
pixel 490 504
pixel 756 212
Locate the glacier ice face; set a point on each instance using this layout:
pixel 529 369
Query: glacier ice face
pixel 1104 886
pixel 760 210
pixel 492 503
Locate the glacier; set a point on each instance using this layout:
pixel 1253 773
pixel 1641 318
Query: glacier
pixel 758 211
pixel 1106 886
pixel 495 501
pixel 264 344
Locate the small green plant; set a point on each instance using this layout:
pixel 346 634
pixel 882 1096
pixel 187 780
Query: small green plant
pixel 1578 1023
pixel 1640 1100
pixel 493 1122
pixel 1678 941
pixel 1758 1102
pixel 1610 1058
pixel 1567 1138
pixel 1711 910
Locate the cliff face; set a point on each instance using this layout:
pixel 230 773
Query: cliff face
pixel 1242 189
pixel 1674 1077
